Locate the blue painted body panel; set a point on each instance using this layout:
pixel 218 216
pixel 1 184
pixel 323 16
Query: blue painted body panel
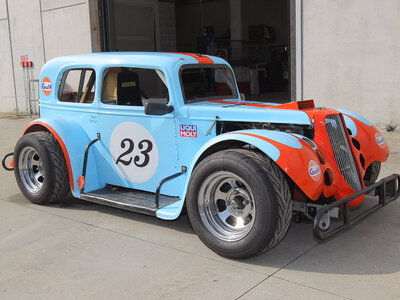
pixel 77 124
pixel 356 116
pixel 190 157
pixel 241 113
pixel 75 144
pixel 350 125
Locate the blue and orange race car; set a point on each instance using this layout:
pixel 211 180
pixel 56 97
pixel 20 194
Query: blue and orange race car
pixel 154 132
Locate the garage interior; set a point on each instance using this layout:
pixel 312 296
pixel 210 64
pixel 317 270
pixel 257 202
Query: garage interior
pixel 252 35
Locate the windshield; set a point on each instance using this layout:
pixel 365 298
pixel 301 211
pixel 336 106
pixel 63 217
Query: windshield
pixel 207 82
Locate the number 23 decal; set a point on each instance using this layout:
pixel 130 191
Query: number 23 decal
pixel 144 145
pixel 134 152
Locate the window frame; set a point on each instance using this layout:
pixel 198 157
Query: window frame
pixel 104 73
pixel 64 77
pixel 196 66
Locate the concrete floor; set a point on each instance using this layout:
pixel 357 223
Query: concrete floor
pixel 87 251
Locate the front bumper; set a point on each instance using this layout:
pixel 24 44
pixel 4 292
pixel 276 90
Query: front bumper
pixel 387 190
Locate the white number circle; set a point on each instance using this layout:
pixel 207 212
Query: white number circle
pixel 134 152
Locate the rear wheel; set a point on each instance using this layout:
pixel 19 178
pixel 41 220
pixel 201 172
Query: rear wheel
pixel 239 203
pixel 40 168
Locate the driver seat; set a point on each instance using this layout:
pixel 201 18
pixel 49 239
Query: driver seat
pixel 128 89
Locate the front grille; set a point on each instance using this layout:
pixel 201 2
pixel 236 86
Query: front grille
pixel 341 150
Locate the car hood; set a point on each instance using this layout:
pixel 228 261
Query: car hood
pixel 248 111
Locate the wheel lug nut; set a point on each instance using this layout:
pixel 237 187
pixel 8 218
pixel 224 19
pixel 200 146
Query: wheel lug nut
pixel 245 202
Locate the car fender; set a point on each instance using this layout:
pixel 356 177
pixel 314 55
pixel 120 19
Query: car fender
pixel 72 139
pixel 295 157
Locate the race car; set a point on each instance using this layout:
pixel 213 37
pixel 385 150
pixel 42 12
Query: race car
pixel 156 132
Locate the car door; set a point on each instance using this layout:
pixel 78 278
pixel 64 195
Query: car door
pixel 139 150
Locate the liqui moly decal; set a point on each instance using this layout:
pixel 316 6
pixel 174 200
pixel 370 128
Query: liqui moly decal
pixel 189 131
pixel 380 140
pixel 46 86
pixel 314 170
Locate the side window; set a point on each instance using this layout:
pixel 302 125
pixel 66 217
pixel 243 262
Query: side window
pixel 133 86
pixel 77 85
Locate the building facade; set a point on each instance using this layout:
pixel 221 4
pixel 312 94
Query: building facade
pixel 341 53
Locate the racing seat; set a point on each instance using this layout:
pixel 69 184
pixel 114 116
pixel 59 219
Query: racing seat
pixel 128 89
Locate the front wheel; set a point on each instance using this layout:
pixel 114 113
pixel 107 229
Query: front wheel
pixel 239 203
pixel 372 173
pixel 40 168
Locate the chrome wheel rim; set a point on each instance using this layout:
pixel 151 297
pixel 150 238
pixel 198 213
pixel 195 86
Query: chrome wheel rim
pixel 226 206
pixel 31 170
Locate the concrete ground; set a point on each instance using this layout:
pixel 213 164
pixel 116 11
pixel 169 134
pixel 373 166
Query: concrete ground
pixel 87 251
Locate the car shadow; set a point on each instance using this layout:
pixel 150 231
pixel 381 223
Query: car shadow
pixel 181 224
pixel 371 247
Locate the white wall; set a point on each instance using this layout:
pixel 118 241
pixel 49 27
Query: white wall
pixel 42 29
pixel 7 92
pixel 66 29
pixel 26 38
pixel 351 56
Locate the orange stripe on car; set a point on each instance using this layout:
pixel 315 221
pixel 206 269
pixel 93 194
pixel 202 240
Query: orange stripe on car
pixel 202 59
pixel 295 163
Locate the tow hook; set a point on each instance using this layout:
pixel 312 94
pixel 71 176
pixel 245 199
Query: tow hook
pixel 325 221
pixel 3 162
pixel 307 211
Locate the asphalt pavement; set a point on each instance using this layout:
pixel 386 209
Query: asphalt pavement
pixel 80 250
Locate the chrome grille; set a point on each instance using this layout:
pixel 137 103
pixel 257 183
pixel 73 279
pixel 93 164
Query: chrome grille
pixel 341 150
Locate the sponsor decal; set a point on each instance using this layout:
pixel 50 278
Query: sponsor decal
pixel 189 131
pixel 128 84
pixel 46 86
pixel 134 152
pixel 314 170
pixel 380 140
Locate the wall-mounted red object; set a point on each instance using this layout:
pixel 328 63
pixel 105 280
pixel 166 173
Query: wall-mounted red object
pixel 27 64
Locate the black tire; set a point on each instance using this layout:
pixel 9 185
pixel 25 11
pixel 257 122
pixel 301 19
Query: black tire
pixel 271 199
pixel 40 168
pixel 372 173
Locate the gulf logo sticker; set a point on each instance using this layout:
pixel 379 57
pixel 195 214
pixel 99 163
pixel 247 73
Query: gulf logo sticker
pixel 314 170
pixel 380 140
pixel 46 86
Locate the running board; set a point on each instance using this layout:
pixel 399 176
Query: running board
pixel 127 199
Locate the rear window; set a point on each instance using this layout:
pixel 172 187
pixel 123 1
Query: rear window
pixel 207 82
pixel 77 85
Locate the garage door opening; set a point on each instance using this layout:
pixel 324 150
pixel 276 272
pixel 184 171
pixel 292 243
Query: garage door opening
pixel 252 35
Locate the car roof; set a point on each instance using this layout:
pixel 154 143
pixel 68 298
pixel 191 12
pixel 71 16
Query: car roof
pixel 143 59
